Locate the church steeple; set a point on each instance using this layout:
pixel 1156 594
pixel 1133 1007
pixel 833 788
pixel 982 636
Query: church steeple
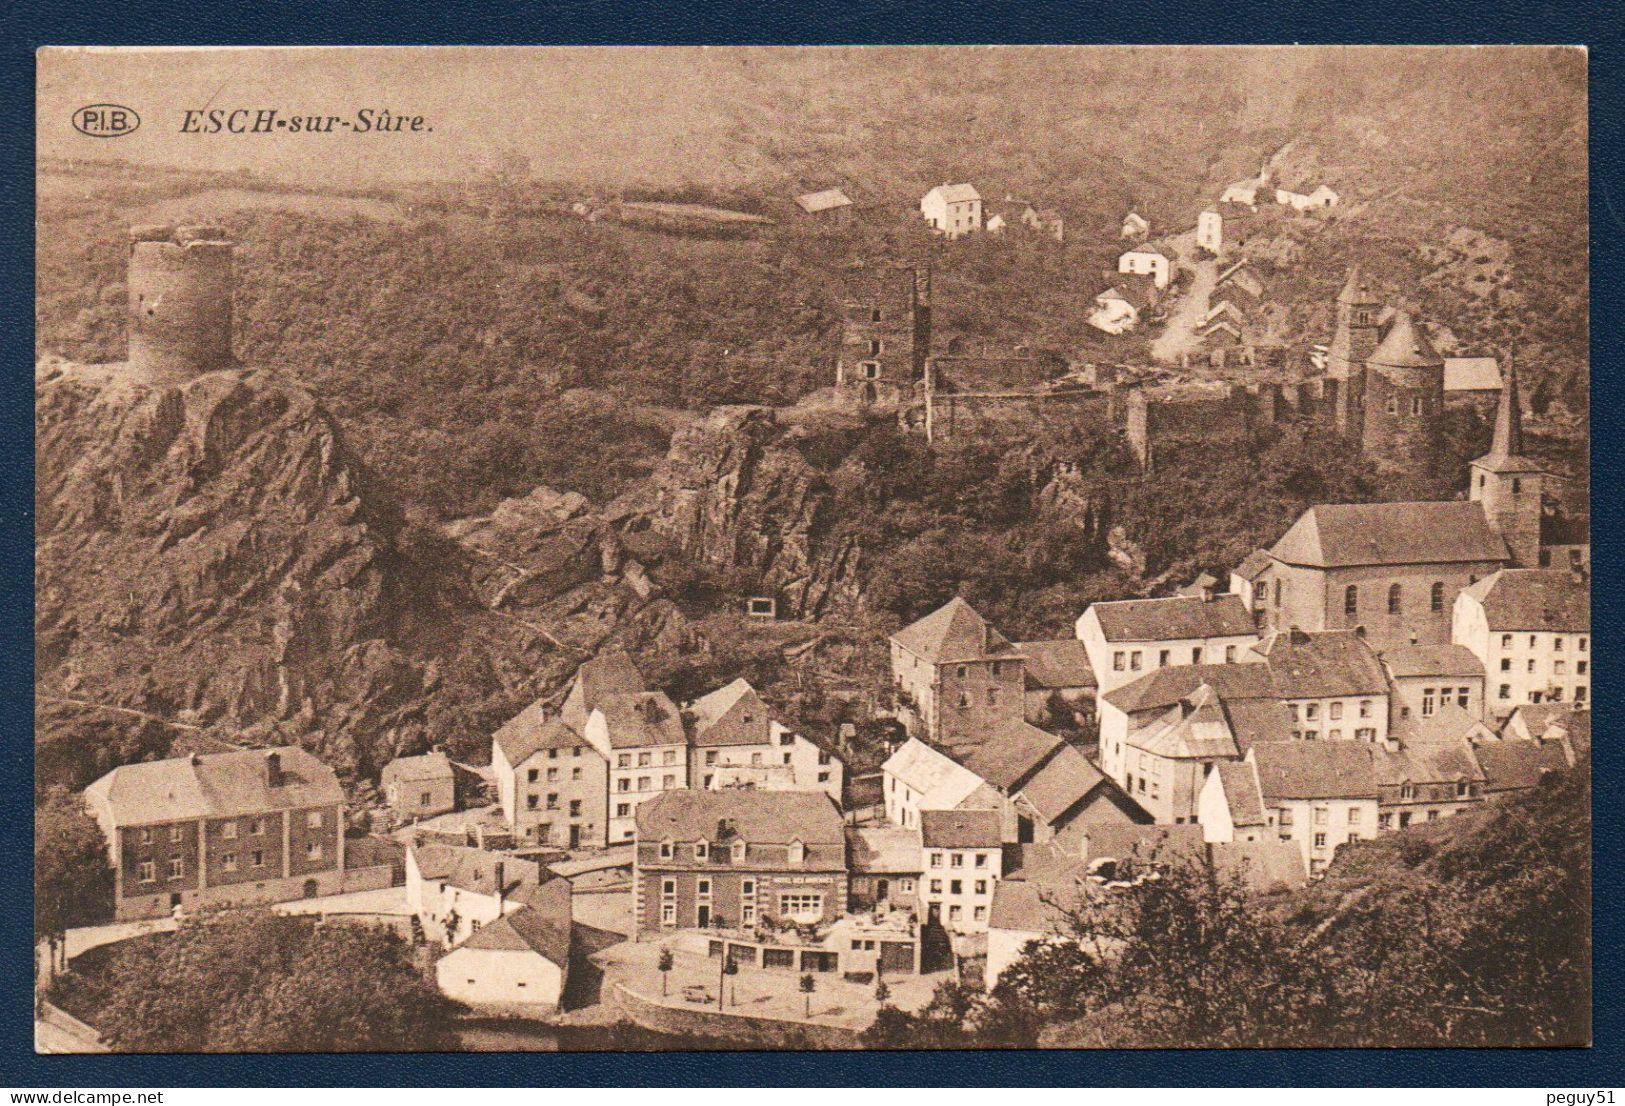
pixel 1508 440
pixel 1508 485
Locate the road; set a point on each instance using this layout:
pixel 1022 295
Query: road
pixel 1179 335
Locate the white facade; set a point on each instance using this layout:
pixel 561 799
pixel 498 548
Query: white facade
pixel 637 775
pixel 1113 314
pixel 1146 262
pixel 510 977
pixel 1523 666
pixel 953 210
pixel 917 778
pixel 809 768
pixel 957 885
pixel 1319 826
pixel 1134 226
pixel 1345 718
pixel 1116 663
pixel 1320 198
pixel 434 902
pixel 1210 231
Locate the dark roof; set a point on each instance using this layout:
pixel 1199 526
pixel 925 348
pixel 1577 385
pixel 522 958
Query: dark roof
pixel 215 785
pixel 1121 841
pixel 960 829
pixel 1432 660
pixel 1335 535
pixel 883 849
pixel 1539 599
pixel 1325 663
pixel 609 673
pixel 1315 770
pixel 1061 784
pixel 1448 723
pixel 1174 618
pixel 1405 346
pixel 1062 663
pixel 1009 751
pixel 1194 728
pixel 1241 793
pixel 953 632
pixel 731 715
pixel 475 870
pixel 1036 898
pixel 1255 720
pixel 1264 866
pixel 1167 686
pixel 430 766
pixel 1506 444
pixel 759 817
pixel 1428 761
pixel 1254 564
pixel 542 925
pixel 1538 718
pixel 1357 290
pixel 1518 765
pixel 531 730
pixel 642 718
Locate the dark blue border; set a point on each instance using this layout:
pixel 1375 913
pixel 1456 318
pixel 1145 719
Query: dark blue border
pixel 39 22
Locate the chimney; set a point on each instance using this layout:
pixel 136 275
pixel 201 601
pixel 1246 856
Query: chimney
pixel 501 884
pixel 273 769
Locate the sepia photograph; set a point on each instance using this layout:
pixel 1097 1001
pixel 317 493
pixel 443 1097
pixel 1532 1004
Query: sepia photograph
pixel 639 549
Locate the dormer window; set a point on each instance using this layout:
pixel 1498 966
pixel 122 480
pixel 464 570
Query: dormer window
pixel 665 849
pixel 797 852
pixel 702 849
pixel 738 852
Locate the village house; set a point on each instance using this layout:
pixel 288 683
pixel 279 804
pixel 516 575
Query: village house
pixel 1239 281
pixel 831 203
pixel 1317 199
pixel 1011 212
pixel 917 777
pixel 962 863
pixel 1318 794
pixel 420 786
pixel 884 865
pixel 1127 638
pixel 1550 722
pixel 519 962
pixel 738 859
pixel 1239 224
pixel 252 826
pixel 1512 766
pixel 1332 683
pixel 1426 678
pixel 1230 806
pixel 1147 260
pixel 647 750
pixel 1056 673
pixel 955 675
pixel 1531 629
pixel 1117 309
pixel 1245 192
pixel 1210 231
pixel 1066 797
pixel 953 210
pixel 552 783
pixel 1425 779
pixel 1030 904
pixel 735 742
pixel 454 889
pixel 1472 380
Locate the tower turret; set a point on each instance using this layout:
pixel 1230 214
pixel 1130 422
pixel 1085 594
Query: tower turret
pixel 885 331
pixel 1354 340
pixel 180 286
pixel 1404 399
pixel 1508 485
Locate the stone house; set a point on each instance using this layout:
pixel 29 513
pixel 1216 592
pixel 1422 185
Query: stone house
pixel 1319 794
pixel 961 865
pixel 955 675
pixel 552 783
pixel 1127 638
pixel 1147 260
pixel 735 742
pixel 1426 678
pixel 1531 629
pixel 518 962
pixel 953 210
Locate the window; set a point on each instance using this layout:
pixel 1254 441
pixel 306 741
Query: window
pixel 702 888
pixel 1354 837
pixel 956 887
pixel 257 828
pixel 1559 668
pixel 823 758
pixel 228 862
pixel 874 315
pixel 962 671
pixel 1196 655
pixel 643 783
pixel 1354 816
pixel 1162 658
pixel 575 808
pixel 1517 486
pixel 702 849
pixel 1393 405
pixel 1320 840
pixel 1292 709
pixel 1311 735
pixel 1366 733
pixel 623 784
pixel 738 851
pixel 552 775
pixel 1427 702
pixel 575 773
pixel 1286 816
pixel 1580 667
pixel 981 860
pixel 1335 711
pixel 175 868
pixel 1416 406
pixel 936 887
pixel 1311 712
pixel 668 781
pixel 1407 791
pixel 174 834
pixel 1261 591
pixel 956 860
pixel 1530 664
pixel 1229 654
pixel 787 738
pixel 229 831
pixel 710 757
pixel 1506 641
pixel 533 775
pixel 1117 661
pixel 1385 821
pixel 992 696
pixel 981 887
pixel 313 851
pixel 1351 599
pixel 1557 643
pixel 1320 816
pixel 906 886
pixel 1277 593
pixel 257 857
pixel 665 850
pixel 1365 708
pixel 670 755
pixel 964 698
pixel 1134 661
pixel 1393 598
pixel 1334 734
pixel 644 760
pixel 552 754
pixel 954 912
pixel 1504 692
pixel 425 798
pixel 747 902
pixel 936 860
pixel 622 761
pixel 1580 694
pixel 874 347
pixel 1506 664
pixel 149 873
pixel 801 903
pixel 668 913
pixel 532 802
pixel 1557 695
pixel 623 810
pixel 1461 789
pixel 1581 645
pixel 1534 640
pixel 1433 815
pixel 553 801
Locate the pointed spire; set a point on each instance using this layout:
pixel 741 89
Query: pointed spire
pixel 1356 289
pixel 1405 345
pixel 1508 440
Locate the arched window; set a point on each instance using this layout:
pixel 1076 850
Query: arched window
pixel 1393 599
pixel 1436 599
pixel 1351 600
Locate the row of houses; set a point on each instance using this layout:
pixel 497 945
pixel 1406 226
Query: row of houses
pixel 958 210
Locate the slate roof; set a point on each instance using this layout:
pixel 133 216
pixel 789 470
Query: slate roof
pixel 1174 618
pixel 960 829
pixel 429 766
pixel 759 817
pixel 1506 442
pixel 1338 535
pixel 1427 761
pixel 474 870
pixel 1517 765
pixel 1357 289
pixel 1264 866
pixel 1167 686
pixel 530 731
pixel 1151 250
pixel 731 715
pixel 1253 564
pixel 541 926
pixel 937 779
pixel 641 719
pixel 1241 793
pixel 1405 345
pixel 1195 728
pixel 1062 663
pixel 1121 841
pixel 216 785
pixel 608 673
pixel 1255 720
pixel 1011 749
pixel 1315 770
pixel 954 632
pixel 1538 718
pixel 1447 723
pixel 1019 902
pixel 1539 599
pixel 883 849
pixel 1322 664
pixel 956 193
pixel 1432 660
pixel 1472 374
pixel 1061 784
pixel 814 202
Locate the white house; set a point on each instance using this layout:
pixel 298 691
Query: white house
pixel 1531 628
pixel 519 961
pixel 734 741
pixel 1117 309
pixel 1244 191
pixel 961 862
pixel 1128 638
pixel 1320 199
pixel 454 890
pixel 1147 260
pixel 1210 231
pixel 917 778
pixel 1319 794
pixel 954 210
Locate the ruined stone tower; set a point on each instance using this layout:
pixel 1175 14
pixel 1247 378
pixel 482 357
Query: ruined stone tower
pixel 1508 485
pixel 180 286
pixel 1353 342
pixel 1403 404
pixel 885 332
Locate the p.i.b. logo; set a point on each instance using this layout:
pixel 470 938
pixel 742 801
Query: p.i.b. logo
pixel 106 120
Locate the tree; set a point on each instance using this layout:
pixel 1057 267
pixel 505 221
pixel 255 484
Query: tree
pixel 73 884
pixel 808 986
pixel 665 964
pixel 730 968
pixel 882 992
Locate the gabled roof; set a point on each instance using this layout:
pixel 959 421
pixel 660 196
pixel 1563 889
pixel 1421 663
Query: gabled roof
pixel 1122 841
pixel 1061 784
pixel 1538 599
pixel 1167 686
pixel 1445 760
pixel 960 829
pixel 530 731
pixel 1242 794
pixel 955 193
pixel 758 817
pixel 541 926
pixel 1447 723
pixel 1255 720
pixel 1340 535
pixel 608 673
pixel 1472 374
pixel 641 719
pixel 1034 899
pixel 1315 770
pixel 215 786
pixel 883 849
pixel 1405 346
pixel 1253 565
pixel 1195 728
pixel 1009 752
pixel 954 632
pixel 1517 765
pixel 731 715
pixel 814 202
pixel 429 766
pixel 1264 866
pixel 941 783
pixel 1061 663
pixel 1175 618
pixel 1322 664
pixel 474 870
pixel 1151 251
pixel 1431 660
pixel 1538 719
